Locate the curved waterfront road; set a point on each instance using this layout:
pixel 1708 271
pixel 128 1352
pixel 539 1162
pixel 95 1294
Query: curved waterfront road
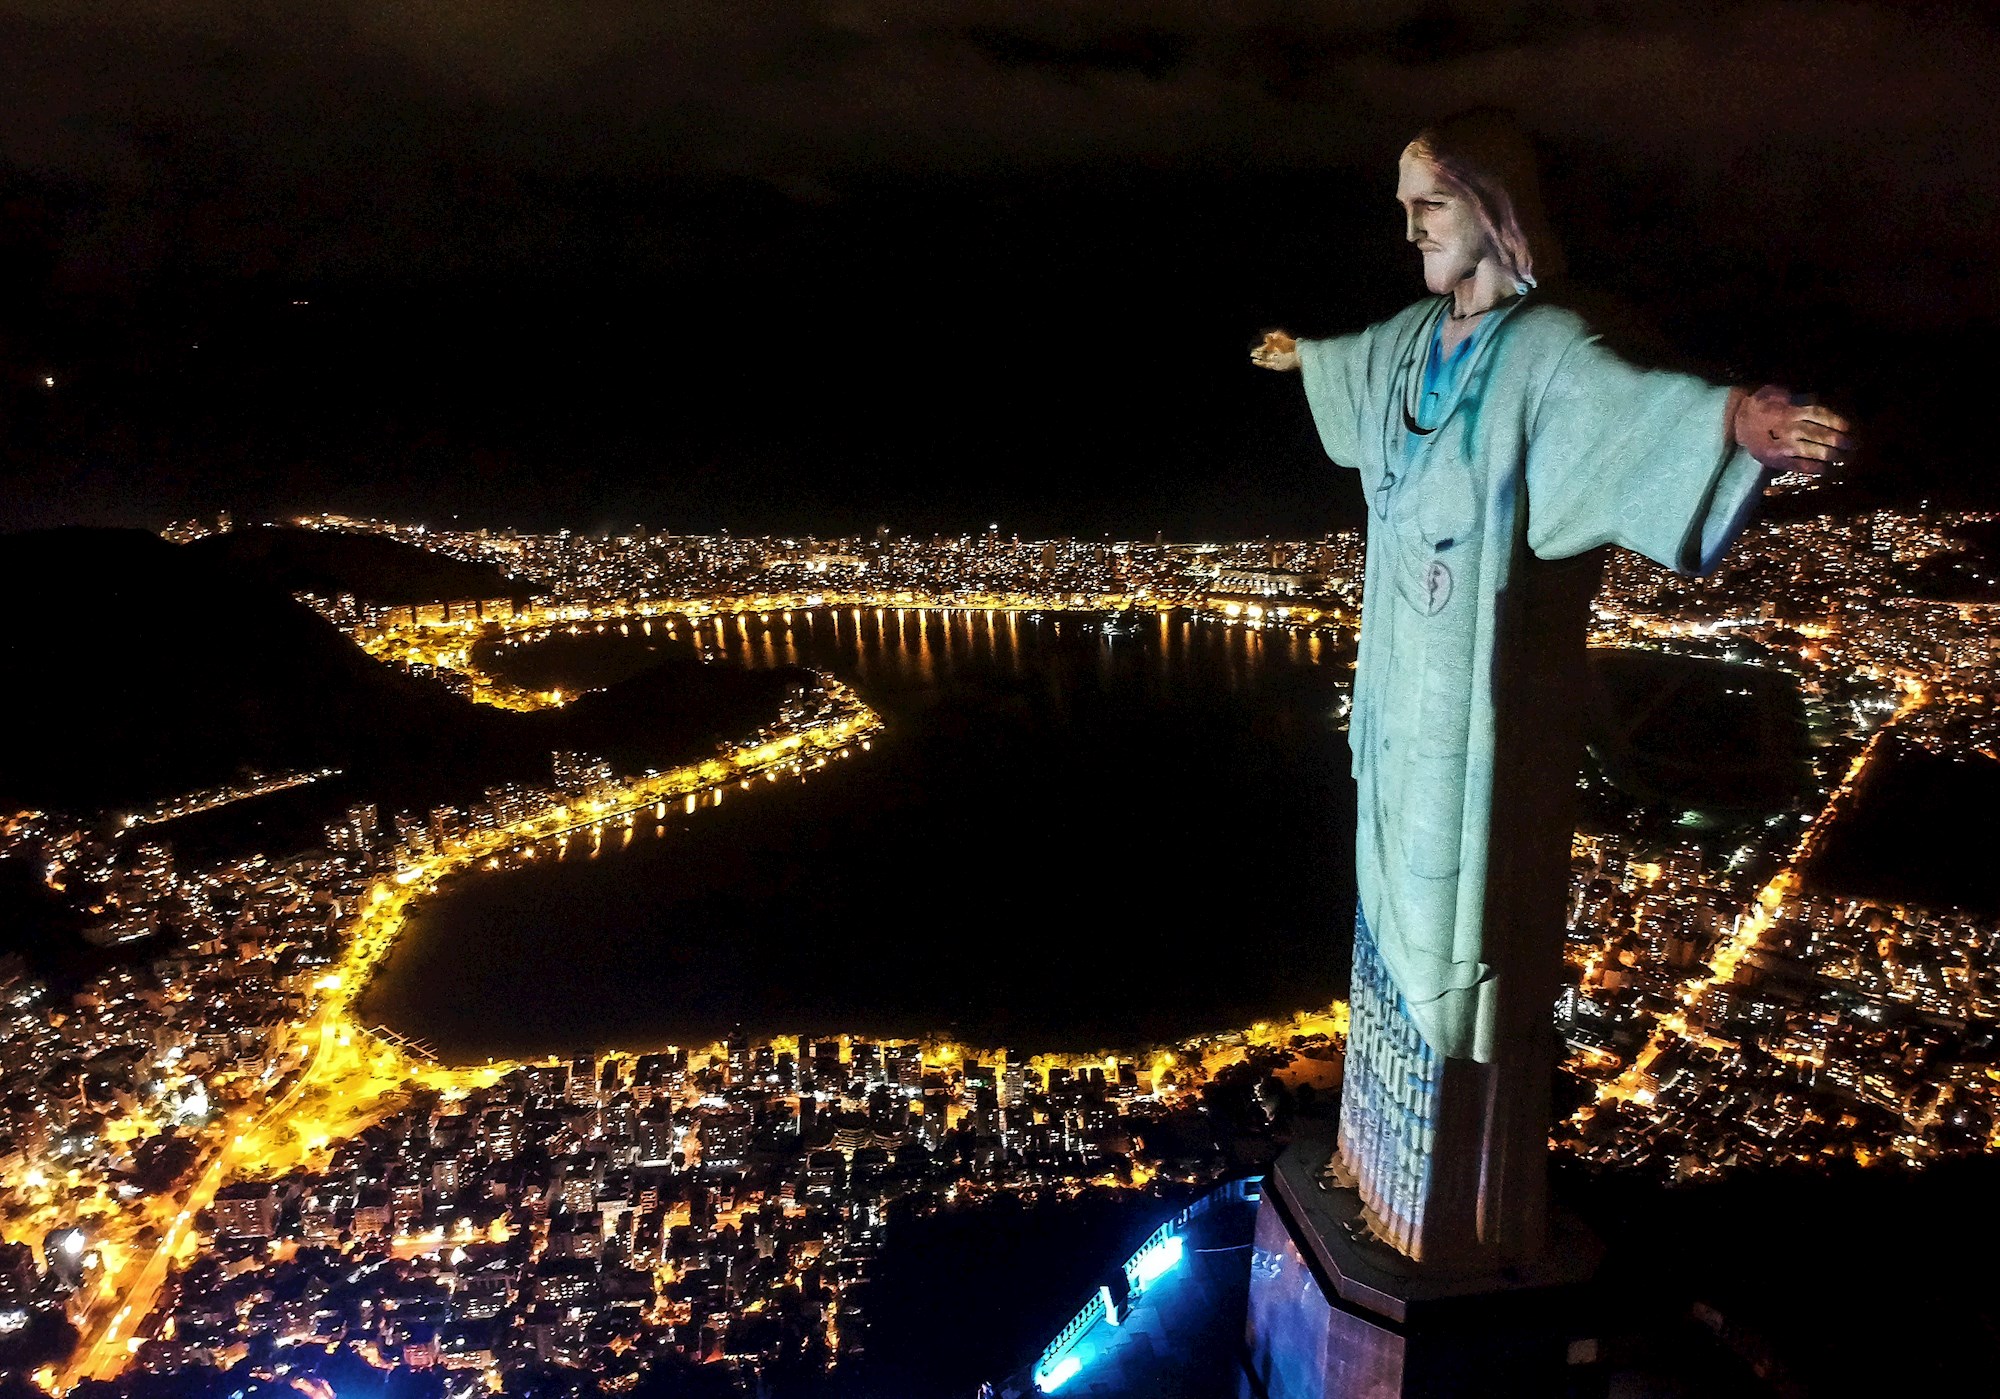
pixel 123 1299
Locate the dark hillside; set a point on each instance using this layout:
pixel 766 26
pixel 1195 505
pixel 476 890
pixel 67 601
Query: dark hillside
pixel 138 669
pixel 1838 1281
pixel 373 567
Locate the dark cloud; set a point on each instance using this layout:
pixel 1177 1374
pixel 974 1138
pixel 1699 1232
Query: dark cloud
pixel 336 110
pixel 836 172
pixel 1150 53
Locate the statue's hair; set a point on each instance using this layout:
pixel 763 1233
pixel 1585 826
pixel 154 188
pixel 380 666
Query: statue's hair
pixel 1484 155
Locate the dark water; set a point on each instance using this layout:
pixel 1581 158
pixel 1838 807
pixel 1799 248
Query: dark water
pixel 1923 830
pixel 1062 840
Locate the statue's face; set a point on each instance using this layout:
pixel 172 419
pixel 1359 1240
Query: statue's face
pixel 1441 222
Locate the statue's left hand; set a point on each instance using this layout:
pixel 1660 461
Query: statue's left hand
pixel 1279 351
pixel 1784 434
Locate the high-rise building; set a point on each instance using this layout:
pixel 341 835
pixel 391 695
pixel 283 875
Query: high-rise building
pixel 826 1173
pixel 1014 1084
pixel 246 1210
pixel 657 1142
pixel 582 1087
pixel 826 1063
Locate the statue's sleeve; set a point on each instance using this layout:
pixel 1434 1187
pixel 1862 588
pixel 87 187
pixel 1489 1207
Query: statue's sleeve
pixel 1336 373
pixel 1637 457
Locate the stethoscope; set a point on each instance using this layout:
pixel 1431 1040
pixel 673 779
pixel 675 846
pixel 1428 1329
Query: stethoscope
pixel 1412 387
pixel 1413 378
pixel 1412 391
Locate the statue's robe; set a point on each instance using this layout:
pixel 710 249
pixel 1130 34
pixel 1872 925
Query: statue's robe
pixel 1484 542
pixel 1551 446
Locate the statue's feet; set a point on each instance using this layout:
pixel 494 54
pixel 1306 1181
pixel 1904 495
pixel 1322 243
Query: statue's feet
pixel 1335 1175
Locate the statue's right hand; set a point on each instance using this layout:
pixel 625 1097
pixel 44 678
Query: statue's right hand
pixel 1788 432
pixel 1279 351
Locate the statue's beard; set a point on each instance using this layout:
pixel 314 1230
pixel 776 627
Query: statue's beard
pixel 1445 273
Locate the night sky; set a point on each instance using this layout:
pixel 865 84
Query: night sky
pixel 781 266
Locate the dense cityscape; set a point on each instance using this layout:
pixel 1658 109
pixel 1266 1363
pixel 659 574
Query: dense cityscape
pixel 208 1158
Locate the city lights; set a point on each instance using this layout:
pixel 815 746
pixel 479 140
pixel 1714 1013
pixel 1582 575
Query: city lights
pixel 1722 1009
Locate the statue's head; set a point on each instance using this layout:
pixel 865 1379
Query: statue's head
pixel 1469 190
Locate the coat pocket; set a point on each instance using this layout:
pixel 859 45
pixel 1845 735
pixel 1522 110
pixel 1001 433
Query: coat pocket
pixel 1434 695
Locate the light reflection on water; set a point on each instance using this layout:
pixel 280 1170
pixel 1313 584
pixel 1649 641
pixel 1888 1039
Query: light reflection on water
pixel 1061 838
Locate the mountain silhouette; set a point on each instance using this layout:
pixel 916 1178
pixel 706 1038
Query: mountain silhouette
pixel 373 567
pixel 139 669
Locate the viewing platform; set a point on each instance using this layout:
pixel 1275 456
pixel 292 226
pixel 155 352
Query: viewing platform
pixel 1169 1323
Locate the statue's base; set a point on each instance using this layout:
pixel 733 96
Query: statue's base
pixel 1336 1314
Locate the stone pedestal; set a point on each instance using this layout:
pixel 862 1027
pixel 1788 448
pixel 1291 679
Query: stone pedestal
pixel 1336 1314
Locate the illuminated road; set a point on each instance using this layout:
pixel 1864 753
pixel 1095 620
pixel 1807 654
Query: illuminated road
pixel 1755 921
pixel 353 1076
pixel 102 1347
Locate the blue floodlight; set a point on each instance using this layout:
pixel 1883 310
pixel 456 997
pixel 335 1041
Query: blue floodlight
pixel 1064 1372
pixel 1156 1260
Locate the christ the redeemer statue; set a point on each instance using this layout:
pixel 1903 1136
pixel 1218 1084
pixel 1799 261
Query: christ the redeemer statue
pixel 1499 444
